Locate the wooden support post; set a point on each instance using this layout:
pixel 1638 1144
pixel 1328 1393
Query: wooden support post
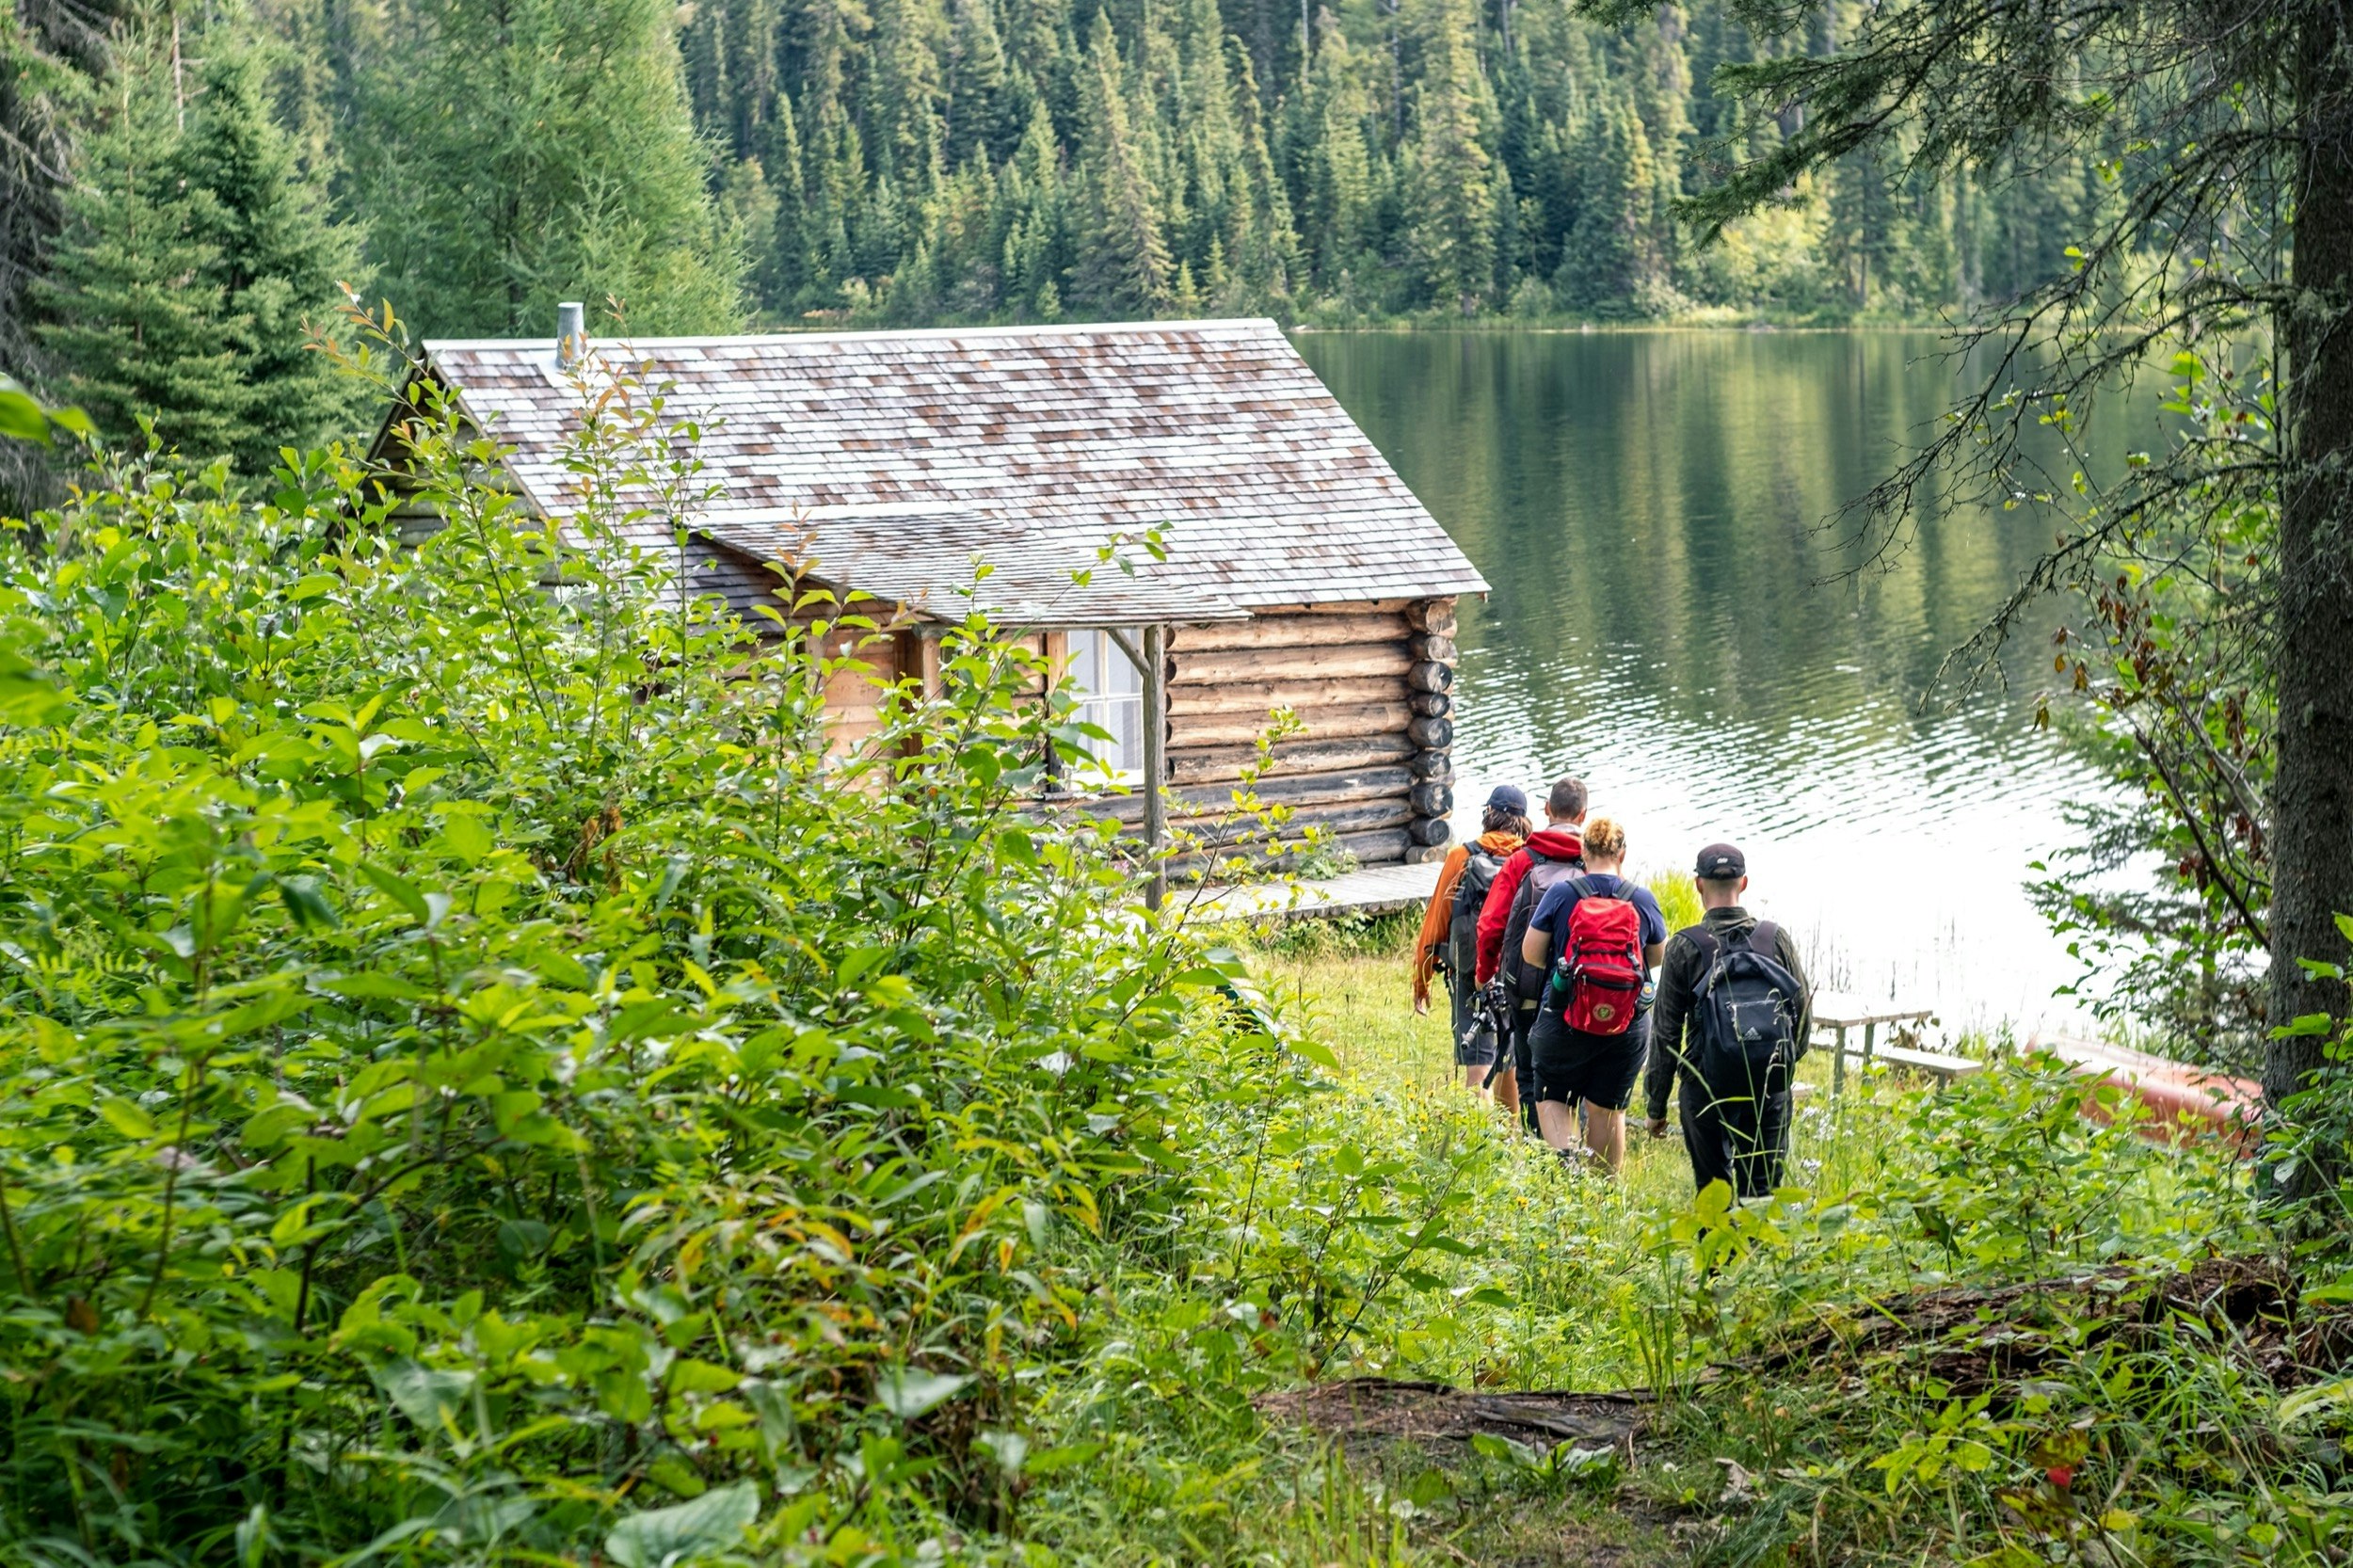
pixel 1156 760
pixel 1838 1065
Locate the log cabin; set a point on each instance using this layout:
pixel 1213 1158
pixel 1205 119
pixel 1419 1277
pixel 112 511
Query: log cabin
pixel 1294 567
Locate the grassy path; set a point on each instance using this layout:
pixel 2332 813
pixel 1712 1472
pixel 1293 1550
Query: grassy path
pixel 1566 1246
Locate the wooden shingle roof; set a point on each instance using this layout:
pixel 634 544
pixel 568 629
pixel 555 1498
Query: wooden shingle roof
pixel 896 457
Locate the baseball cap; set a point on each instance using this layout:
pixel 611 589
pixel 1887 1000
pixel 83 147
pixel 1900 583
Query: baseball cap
pixel 1508 797
pixel 1722 862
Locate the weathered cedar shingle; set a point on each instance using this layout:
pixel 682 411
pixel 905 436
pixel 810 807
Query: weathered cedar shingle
pixel 896 457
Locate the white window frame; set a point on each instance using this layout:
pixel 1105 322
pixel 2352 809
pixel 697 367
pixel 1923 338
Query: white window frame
pixel 1110 693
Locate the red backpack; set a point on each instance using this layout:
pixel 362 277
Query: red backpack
pixel 1600 968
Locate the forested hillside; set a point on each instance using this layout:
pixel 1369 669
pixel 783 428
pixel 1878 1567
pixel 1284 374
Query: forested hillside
pixel 970 158
pixel 185 186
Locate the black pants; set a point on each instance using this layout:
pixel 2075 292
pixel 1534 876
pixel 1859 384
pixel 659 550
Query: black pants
pixel 1740 1138
pixel 1523 1063
pixel 1474 1043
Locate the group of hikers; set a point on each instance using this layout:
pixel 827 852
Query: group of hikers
pixel 1567 990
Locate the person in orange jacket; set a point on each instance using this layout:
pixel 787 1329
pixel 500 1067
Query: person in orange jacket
pixel 1449 934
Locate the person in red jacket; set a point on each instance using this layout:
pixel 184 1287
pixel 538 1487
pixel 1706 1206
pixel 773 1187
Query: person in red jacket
pixel 1558 848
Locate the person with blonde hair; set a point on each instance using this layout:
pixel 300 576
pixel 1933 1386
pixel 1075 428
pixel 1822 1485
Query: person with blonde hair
pixel 1552 853
pixel 1598 937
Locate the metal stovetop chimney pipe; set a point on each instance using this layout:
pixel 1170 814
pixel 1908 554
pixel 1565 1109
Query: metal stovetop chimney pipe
pixel 571 333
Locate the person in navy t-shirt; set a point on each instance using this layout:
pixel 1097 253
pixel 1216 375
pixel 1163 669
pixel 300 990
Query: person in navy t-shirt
pixel 1570 1064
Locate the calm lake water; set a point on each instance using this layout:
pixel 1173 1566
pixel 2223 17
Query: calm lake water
pixel 1670 620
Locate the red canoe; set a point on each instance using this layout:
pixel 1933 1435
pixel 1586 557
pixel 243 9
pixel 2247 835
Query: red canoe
pixel 2183 1102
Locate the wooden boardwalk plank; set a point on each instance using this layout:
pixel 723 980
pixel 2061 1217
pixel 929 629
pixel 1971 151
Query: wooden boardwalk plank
pixel 1374 890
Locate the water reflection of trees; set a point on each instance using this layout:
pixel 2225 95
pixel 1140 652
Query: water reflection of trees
pixel 1662 506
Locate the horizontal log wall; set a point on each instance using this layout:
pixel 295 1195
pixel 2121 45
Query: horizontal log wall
pixel 1371 684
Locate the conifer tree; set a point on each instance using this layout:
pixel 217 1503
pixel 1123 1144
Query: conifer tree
pixel 1660 84
pixel 1125 265
pixel 1269 247
pixel 829 36
pixel 537 151
pixel 1329 161
pixel 278 258
pixel 1344 188
pixel 703 66
pixel 132 306
pixel 1030 198
pixel 1510 240
pixel 1450 170
pixel 1863 237
pixel 907 140
pixel 51 59
pixel 838 193
pixel 789 266
pixel 962 244
pixel 980 101
pixel 2022 233
pixel 200 264
pixel 1615 260
pixel 883 232
pixel 1044 53
pixel 748 46
pixel 1204 189
pixel 747 207
pixel 1553 186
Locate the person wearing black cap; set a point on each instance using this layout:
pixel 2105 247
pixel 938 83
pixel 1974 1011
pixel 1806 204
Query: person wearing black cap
pixel 1732 1134
pixel 1450 934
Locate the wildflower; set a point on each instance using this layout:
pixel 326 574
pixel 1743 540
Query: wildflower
pixel 2060 1475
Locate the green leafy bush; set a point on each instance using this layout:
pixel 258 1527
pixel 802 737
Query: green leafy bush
pixel 477 1078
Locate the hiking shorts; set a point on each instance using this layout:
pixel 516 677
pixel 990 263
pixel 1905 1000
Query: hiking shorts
pixel 1474 1043
pixel 1572 1065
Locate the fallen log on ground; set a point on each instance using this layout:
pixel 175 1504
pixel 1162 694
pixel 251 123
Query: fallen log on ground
pixel 1975 1339
pixel 1381 1407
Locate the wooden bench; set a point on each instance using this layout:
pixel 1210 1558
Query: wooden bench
pixel 1837 1014
pixel 1936 1063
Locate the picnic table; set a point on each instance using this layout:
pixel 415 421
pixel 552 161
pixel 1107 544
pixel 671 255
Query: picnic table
pixel 1839 1014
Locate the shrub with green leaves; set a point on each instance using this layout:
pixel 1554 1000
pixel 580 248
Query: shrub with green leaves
pixel 478 1079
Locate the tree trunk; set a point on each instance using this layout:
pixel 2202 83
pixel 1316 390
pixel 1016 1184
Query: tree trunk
pixel 2313 799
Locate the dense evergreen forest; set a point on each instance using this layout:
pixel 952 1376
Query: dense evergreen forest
pixel 185 186
pixel 977 159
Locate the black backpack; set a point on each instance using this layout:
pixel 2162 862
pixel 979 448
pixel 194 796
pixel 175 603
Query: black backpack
pixel 1470 897
pixel 1528 980
pixel 1744 1013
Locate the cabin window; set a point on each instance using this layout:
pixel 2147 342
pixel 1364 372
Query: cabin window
pixel 1110 690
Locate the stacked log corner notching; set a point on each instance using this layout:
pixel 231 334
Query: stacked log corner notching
pixel 1372 683
pixel 1432 730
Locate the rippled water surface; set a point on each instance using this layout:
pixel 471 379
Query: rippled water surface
pixel 1670 620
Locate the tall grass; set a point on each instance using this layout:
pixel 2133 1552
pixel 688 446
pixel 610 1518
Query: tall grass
pixel 1579 1282
pixel 1678 899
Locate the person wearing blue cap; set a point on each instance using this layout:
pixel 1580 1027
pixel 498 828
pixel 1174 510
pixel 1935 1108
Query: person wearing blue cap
pixel 1449 942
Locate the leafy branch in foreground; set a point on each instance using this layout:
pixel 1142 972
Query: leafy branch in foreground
pixel 480 1078
pixel 2225 136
